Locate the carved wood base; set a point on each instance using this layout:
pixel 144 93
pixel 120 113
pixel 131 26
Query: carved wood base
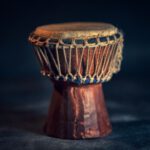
pixel 77 112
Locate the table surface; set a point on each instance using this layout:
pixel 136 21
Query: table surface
pixel 24 105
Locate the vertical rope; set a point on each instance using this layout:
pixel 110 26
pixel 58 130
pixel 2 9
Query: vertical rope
pixel 87 65
pixel 109 59
pixel 101 60
pixel 104 60
pixel 47 60
pixel 81 60
pixel 112 59
pixel 38 55
pixel 70 52
pixel 49 50
pixel 95 48
pixel 64 51
pixel 57 57
pixel 118 58
pixel 97 61
pixel 76 49
pixel 43 55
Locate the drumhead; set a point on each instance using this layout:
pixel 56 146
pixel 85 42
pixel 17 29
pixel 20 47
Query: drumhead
pixel 76 30
pixel 72 31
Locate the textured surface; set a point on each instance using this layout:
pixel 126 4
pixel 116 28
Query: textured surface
pixel 24 107
pixel 77 112
pixel 76 30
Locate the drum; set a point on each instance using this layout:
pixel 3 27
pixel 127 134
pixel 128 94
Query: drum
pixel 78 58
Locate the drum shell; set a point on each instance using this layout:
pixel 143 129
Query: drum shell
pixel 84 61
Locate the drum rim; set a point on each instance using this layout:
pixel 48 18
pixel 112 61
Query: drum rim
pixel 40 38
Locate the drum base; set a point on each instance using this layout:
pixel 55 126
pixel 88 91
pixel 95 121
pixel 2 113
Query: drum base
pixel 77 112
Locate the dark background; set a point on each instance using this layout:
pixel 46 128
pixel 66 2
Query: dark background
pixel 25 94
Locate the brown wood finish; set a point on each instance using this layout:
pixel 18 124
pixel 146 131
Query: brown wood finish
pixel 77 112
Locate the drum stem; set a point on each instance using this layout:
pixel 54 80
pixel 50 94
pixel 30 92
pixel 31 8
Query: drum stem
pixel 77 112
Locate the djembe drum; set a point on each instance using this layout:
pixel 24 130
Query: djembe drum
pixel 78 58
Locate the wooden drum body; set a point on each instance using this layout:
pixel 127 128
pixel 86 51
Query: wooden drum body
pixel 78 57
